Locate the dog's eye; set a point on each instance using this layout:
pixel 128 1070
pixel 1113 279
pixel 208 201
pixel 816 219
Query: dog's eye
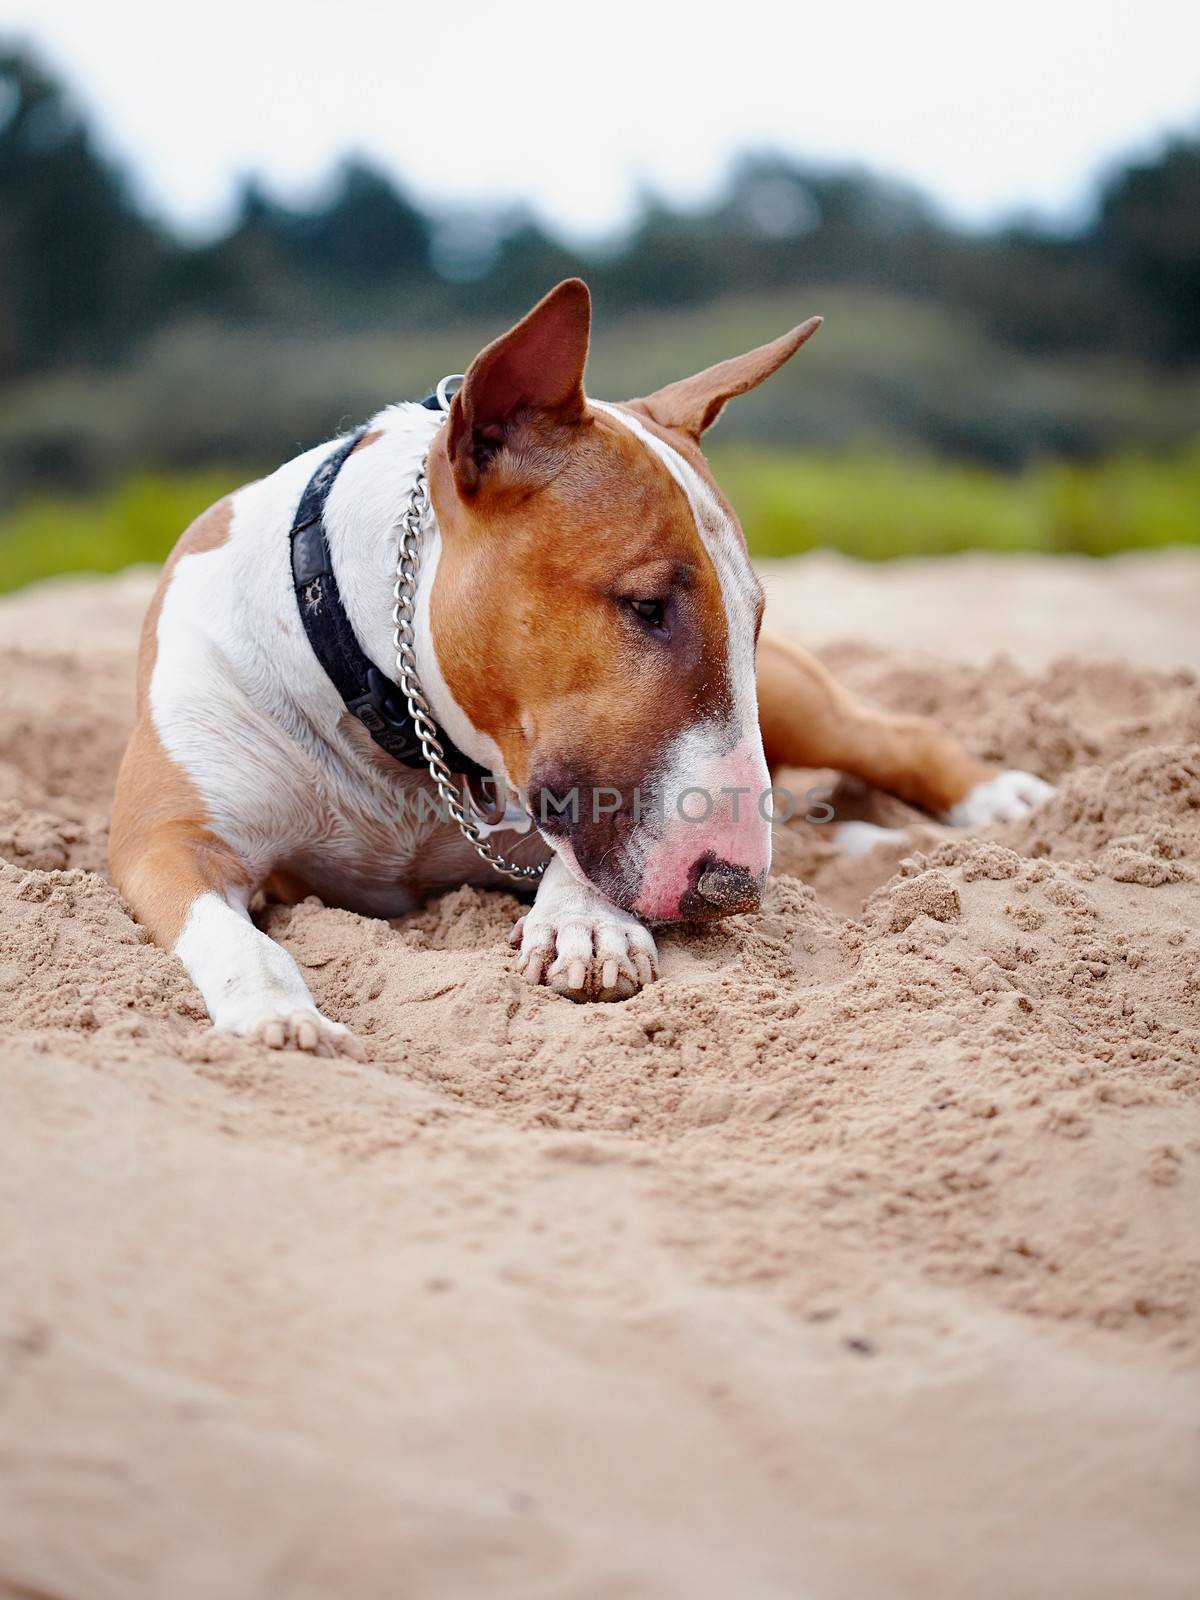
pixel 654 616
pixel 651 611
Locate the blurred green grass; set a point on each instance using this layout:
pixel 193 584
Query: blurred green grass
pixel 880 506
pixel 902 429
pixel 137 521
pixel 872 505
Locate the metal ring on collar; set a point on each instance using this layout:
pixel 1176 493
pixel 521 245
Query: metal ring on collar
pixel 444 392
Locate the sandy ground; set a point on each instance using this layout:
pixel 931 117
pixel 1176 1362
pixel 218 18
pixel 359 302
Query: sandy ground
pixel 857 1258
pixel 1137 607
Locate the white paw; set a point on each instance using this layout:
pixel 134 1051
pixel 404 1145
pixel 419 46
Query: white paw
pixel 1007 797
pixel 592 952
pixel 305 1030
pixel 860 838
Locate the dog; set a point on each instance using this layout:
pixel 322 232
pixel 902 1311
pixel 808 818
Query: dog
pixel 575 615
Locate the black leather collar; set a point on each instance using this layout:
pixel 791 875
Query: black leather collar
pixel 374 700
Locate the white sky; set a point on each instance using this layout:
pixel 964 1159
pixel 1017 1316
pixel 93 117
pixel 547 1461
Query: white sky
pixel 991 109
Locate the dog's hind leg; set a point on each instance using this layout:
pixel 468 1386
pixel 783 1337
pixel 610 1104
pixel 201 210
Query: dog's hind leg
pixel 192 892
pixel 809 720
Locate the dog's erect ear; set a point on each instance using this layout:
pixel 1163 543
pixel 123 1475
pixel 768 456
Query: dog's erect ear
pixel 694 404
pixel 536 367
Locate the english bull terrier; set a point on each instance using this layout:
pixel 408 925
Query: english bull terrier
pixel 574 612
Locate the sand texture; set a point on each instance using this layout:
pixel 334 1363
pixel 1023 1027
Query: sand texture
pixel 859 1257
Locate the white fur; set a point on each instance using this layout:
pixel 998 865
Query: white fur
pixel 287 776
pixel 1004 798
pixel 860 838
pixel 362 522
pixel 1007 797
pixel 251 984
pixel 289 780
pixel 242 705
pixel 710 756
pixel 580 944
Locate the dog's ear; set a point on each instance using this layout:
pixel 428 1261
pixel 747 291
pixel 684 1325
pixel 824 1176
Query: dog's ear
pixel 532 375
pixel 694 404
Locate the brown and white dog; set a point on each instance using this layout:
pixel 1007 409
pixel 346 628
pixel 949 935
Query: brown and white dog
pixel 587 620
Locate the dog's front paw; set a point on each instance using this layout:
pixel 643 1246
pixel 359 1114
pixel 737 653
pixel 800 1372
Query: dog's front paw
pixel 592 953
pixel 1007 797
pixel 305 1030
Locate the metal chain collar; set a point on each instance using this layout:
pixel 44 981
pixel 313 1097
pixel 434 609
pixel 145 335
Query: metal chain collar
pixel 404 611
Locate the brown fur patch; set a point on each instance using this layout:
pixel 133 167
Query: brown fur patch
pixel 162 851
pixel 367 439
pixel 809 720
pixel 694 404
pixel 691 452
pixel 528 611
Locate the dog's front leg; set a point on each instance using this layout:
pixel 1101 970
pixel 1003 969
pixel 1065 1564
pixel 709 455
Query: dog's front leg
pixel 251 985
pixel 580 944
pixel 191 891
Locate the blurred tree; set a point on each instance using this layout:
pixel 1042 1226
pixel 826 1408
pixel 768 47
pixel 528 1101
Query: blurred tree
pixel 368 233
pixel 85 277
pixel 340 262
pixel 77 260
pixel 499 264
pixel 1148 234
pixel 363 232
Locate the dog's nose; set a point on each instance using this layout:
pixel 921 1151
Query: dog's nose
pixel 729 889
pixel 722 890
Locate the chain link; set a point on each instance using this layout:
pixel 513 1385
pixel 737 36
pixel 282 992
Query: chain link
pixel 404 611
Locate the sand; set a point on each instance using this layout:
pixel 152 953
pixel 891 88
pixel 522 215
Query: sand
pixel 857 1258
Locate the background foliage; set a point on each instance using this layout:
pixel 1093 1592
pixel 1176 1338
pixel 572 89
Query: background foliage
pixel 1017 389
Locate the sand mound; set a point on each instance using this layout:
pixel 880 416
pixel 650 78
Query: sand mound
pixel 856 1257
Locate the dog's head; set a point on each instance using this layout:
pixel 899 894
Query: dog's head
pixel 594 615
